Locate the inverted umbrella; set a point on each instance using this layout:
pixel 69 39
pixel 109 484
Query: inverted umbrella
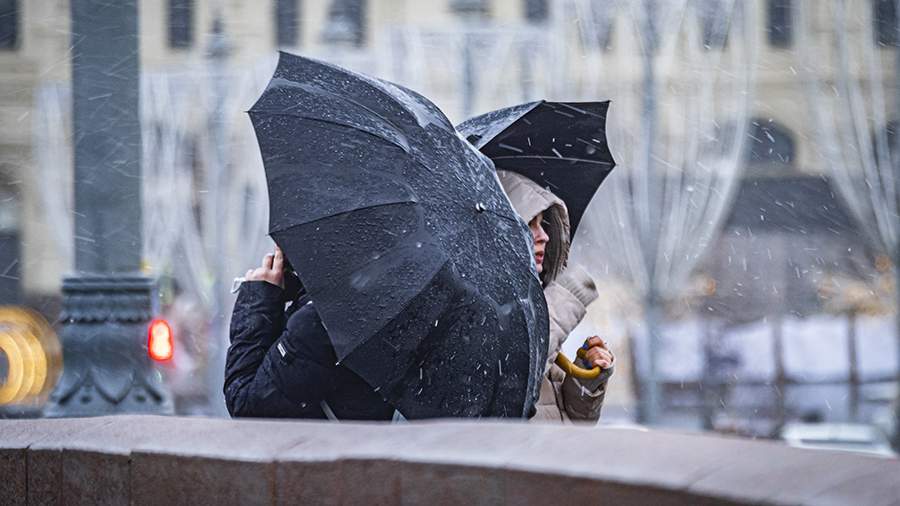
pixel 559 145
pixel 418 266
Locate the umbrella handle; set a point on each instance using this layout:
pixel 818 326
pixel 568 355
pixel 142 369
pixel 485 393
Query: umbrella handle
pixel 573 370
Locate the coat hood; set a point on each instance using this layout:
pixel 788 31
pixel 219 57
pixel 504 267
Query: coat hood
pixel 529 199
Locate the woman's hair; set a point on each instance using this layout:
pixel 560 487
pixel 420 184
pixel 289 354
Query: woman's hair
pixel 529 199
pixel 555 223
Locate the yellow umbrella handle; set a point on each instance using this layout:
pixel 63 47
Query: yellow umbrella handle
pixel 573 370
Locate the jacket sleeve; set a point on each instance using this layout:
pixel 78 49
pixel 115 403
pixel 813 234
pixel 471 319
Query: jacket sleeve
pixel 567 301
pixel 582 401
pixel 261 357
pixel 256 320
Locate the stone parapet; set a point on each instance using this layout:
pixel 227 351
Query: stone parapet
pixel 170 460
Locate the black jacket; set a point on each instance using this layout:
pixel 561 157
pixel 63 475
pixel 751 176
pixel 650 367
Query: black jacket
pixel 282 364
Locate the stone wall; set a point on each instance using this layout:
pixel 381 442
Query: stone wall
pixel 168 461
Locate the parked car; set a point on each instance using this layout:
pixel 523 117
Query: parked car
pixel 849 437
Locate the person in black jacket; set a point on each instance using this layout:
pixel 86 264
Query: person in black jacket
pixel 281 363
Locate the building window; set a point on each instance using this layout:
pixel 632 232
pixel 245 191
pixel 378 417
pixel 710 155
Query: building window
pixel 886 145
pixel 469 7
pixel 346 22
pixel 780 23
pixel 649 27
pixel 10 254
pixel 287 13
pixel 770 146
pixel 536 11
pixel 9 24
pixel 597 32
pixel 714 23
pixel 181 23
pixel 605 35
pixel 884 16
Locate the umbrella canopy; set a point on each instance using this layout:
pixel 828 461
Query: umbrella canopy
pixel 559 145
pixel 398 229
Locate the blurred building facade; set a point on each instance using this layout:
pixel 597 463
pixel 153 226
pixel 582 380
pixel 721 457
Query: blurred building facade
pixel 469 56
pixel 34 48
pixel 34 44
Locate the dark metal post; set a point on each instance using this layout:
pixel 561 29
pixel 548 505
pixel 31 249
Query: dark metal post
pixel 776 310
pixel 710 378
pixel 219 175
pixel 853 373
pixel 896 166
pixel 468 74
pixel 895 437
pixel 651 398
pixel 107 304
pixel 470 12
pixel 780 375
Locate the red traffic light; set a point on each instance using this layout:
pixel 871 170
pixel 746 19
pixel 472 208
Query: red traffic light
pixel 160 344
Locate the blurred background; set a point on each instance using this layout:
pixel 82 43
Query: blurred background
pixel 745 247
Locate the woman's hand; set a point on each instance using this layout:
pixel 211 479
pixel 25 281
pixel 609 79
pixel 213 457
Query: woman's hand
pixel 598 354
pixel 271 270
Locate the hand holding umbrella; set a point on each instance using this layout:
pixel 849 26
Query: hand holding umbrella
pixel 271 270
pixel 593 352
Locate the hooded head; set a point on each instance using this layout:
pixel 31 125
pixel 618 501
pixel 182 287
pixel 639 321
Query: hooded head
pixel 529 200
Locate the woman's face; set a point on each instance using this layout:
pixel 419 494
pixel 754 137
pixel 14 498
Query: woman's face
pixel 540 240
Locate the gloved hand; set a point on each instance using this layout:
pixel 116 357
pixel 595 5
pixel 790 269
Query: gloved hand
pixel 597 354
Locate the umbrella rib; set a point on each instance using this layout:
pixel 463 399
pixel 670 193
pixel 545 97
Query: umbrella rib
pixel 534 105
pixel 578 110
pixel 505 217
pixel 554 158
pixel 337 123
pixel 345 98
pixel 332 215
pixel 383 204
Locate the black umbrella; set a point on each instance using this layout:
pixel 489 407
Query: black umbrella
pixel 559 145
pixel 400 233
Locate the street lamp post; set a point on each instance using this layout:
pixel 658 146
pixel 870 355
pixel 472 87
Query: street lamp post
pixel 469 12
pixel 651 397
pixel 896 167
pixel 217 56
pixel 107 303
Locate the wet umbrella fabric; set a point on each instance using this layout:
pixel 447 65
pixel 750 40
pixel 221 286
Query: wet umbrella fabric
pixel 559 145
pixel 400 232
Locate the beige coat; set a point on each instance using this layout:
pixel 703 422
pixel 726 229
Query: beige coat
pixel 568 292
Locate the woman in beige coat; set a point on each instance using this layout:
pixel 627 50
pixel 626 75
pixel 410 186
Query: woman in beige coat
pixel 568 292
